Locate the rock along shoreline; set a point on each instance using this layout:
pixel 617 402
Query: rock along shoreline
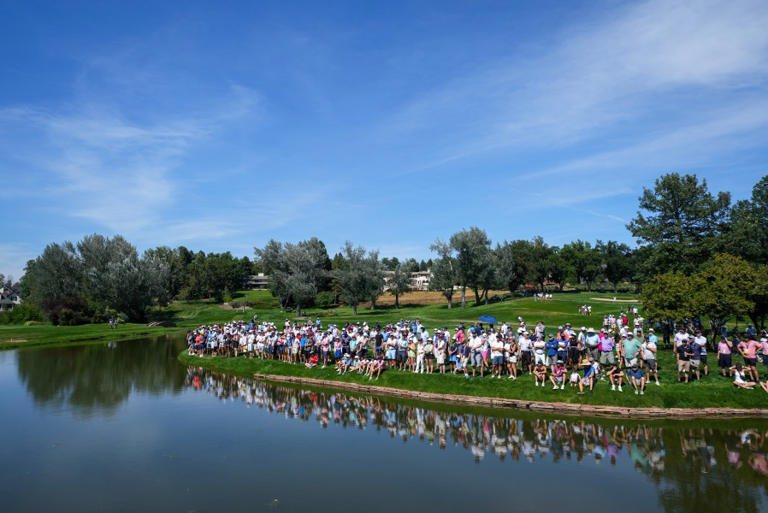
pixel 528 405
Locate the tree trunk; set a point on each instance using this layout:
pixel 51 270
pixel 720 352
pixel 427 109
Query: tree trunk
pixel 477 296
pixel 463 296
pixel 450 302
pixel 397 301
pixel 354 308
pixel 298 309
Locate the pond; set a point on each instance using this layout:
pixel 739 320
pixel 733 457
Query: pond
pixel 125 427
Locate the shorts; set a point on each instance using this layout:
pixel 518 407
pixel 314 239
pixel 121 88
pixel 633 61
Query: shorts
pixel 629 362
pixel 695 364
pixel 452 358
pixel 651 364
pixel 585 381
pixel 540 358
pixel 498 360
pixel 724 360
pixel 411 354
pixel 337 354
pixel 703 359
pixel 512 359
pixel 440 359
pixel 607 358
pixel 765 360
pixel 683 366
pixel 476 360
pixel 526 356
pixel 558 379
pixel 750 362
pixel 400 357
pixel 593 352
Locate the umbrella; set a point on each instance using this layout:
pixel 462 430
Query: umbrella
pixel 488 319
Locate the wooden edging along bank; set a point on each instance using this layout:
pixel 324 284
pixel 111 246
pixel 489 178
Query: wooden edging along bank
pixel 523 404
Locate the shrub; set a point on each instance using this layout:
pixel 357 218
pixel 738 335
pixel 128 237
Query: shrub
pixel 325 299
pixel 21 314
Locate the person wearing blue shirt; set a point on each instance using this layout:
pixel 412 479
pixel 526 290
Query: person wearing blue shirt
pixel 637 378
pixel 551 346
pixel 590 372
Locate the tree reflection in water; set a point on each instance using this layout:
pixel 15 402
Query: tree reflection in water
pixel 696 466
pixel 99 378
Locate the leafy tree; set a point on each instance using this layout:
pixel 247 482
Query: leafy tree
pixel 444 275
pixel 539 255
pixel 399 283
pixel 557 268
pixel 473 254
pixel 584 261
pixel 354 278
pixel 616 259
pixel 719 291
pixel 682 222
pixel 69 282
pixel 667 297
pixel 758 295
pixel 296 271
pixel 375 277
pixel 748 236
pixel 515 263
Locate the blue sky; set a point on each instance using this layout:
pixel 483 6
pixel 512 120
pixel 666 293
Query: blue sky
pixel 219 125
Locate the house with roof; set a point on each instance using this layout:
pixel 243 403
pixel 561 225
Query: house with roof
pixel 9 299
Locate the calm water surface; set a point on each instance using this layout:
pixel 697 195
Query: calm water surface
pixel 125 427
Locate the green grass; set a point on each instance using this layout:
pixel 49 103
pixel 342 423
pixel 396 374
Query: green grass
pixel 713 391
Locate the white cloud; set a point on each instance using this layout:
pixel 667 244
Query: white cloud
pixel 608 73
pixel 113 171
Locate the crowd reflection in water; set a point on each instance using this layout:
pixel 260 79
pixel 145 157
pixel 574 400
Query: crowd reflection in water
pixel 649 447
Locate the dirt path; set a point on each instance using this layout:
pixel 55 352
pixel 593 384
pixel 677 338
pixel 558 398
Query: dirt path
pixel 611 300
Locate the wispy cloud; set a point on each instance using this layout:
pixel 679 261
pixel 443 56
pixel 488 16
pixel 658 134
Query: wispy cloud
pixel 112 171
pixel 604 73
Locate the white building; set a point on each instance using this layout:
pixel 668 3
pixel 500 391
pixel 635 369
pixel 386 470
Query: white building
pixel 9 298
pixel 256 281
pixel 419 280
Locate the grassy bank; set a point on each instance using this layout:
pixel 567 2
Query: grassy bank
pixel 711 392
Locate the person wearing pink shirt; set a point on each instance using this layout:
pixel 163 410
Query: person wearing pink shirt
pixel 724 349
pixel 748 350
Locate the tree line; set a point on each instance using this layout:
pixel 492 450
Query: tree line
pixel 100 278
pixel 683 231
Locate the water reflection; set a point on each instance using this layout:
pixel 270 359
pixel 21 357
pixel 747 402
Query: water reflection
pixel 695 466
pixel 99 378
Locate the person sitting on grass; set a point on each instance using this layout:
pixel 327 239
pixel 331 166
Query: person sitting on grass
pixel 376 367
pixel 342 366
pixel 312 361
pixel 558 375
pixel 637 378
pixel 616 377
pixel 740 378
pixel 539 374
pixel 588 380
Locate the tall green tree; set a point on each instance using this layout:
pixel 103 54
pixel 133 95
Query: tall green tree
pixel 473 257
pixel 682 222
pixel 354 278
pixel 720 291
pixel 583 260
pixel 748 235
pixel 515 263
pixel 399 283
pixel 616 260
pixel 444 276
